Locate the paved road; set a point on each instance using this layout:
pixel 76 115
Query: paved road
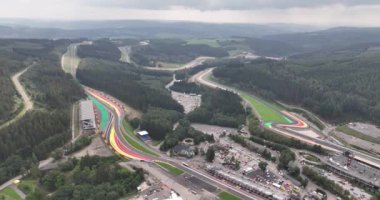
pixel 41 165
pixel 28 103
pixel 70 60
pixel 118 115
pixel 196 62
pixel 201 78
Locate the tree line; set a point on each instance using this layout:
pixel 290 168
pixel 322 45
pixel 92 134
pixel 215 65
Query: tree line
pixel 40 131
pixel 172 51
pixel 91 177
pixel 341 89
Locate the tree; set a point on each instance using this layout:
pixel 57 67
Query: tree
pixel 34 171
pixel 263 165
pixel 210 154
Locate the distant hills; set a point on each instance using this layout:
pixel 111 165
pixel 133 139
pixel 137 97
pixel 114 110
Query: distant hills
pixel 138 29
pixel 326 40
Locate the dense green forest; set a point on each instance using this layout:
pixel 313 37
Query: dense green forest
pixel 219 107
pixel 47 126
pixel 172 51
pixel 9 65
pixel 92 177
pixel 127 83
pixel 185 87
pixel 101 49
pixel 339 86
pixel 158 122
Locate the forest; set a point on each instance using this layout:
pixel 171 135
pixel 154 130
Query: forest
pixel 91 177
pixel 219 107
pixel 47 126
pixel 184 130
pixel 339 86
pixel 172 51
pixel 127 83
pixel 9 65
pixel 102 49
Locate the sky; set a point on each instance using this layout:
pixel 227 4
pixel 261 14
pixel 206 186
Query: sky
pixel 308 12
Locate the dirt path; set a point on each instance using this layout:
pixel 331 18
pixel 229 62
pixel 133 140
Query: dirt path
pixel 28 103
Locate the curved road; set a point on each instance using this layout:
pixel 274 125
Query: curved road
pixel 201 78
pixel 114 137
pixel 28 103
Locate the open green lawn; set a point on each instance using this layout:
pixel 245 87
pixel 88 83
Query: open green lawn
pixel 206 41
pixel 227 196
pixel 168 65
pixel 170 168
pixel 132 142
pixel 357 134
pixel 10 194
pixel 312 158
pixel 266 112
pixel 27 186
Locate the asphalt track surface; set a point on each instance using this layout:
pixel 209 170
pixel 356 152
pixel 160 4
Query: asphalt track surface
pixel 281 128
pixel 112 134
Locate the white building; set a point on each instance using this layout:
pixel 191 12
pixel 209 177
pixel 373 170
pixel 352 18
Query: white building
pixel 87 115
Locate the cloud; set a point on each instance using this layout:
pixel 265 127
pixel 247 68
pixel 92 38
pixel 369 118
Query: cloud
pixel 225 4
pixel 343 13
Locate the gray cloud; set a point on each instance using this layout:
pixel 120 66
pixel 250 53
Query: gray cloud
pixel 225 4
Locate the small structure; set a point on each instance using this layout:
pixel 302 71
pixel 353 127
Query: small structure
pixel 87 115
pixel 144 135
pixel 183 150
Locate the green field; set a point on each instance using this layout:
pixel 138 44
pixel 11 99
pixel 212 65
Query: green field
pixel 357 134
pixel 266 112
pixel 27 186
pixel 168 65
pixel 205 41
pixel 170 168
pixel 227 196
pixel 134 143
pixel 10 194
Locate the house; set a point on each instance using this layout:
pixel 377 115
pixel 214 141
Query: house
pixel 183 150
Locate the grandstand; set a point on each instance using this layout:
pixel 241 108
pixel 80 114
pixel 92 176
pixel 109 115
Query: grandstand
pixel 87 115
pixel 144 135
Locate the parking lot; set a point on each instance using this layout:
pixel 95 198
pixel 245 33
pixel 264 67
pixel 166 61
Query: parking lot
pixel 189 101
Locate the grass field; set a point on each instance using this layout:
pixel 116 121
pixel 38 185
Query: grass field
pixel 357 134
pixel 266 112
pixel 27 186
pixel 170 168
pixel 210 42
pixel 168 65
pixel 312 158
pixel 227 196
pixel 134 143
pixel 10 194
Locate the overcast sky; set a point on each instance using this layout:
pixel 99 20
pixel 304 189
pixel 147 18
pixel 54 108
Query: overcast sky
pixel 311 12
